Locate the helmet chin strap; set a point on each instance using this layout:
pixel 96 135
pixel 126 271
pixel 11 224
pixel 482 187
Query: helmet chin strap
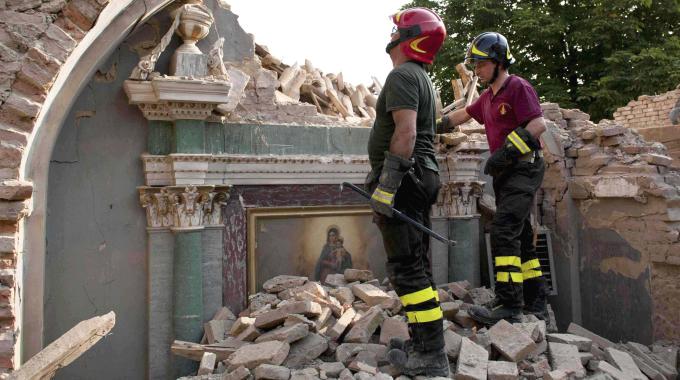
pixel 495 74
pixel 391 45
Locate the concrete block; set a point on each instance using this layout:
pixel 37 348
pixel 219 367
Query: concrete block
pixel 623 361
pixel 393 328
pixel 502 371
pixel 207 365
pixel 612 371
pixel 335 332
pixel 463 319
pixel 450 309
pixel 307 308
pixel 557 374
pixel 346 351
pixel 473 361
pixel 459 289
pixel 306 349
pixel 535 330
pixel 253 355
pixel 249 334
pixel 580 331
pixel 239 373
pixel 335 280
pixel 283 282
pixel 352 275
pixel 332 369
pixel 271 319
pixel 583 344
pixel 364 328
pixel 511 342
pixel 452 343
pixel 288 334
pixel 370 294
pixel 241 324
pixel 479 296
pixel 566 357
pixel 271 372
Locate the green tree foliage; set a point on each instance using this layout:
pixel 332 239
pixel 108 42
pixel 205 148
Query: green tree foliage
pixel 588 54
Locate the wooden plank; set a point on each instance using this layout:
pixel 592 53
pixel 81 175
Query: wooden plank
pixel 195 351
pixel 457 86
pixel 341 82
pixel 377 84
pixel 66 349
pixel 471 91
pixel 465 74
pixel 337 103
pixel 455 105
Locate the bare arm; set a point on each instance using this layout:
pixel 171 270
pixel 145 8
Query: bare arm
pixel 452 119
pixel 536 127
pixel 404 137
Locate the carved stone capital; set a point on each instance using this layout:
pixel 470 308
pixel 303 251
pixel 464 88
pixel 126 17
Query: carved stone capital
pixel 456 167
pixel 458 199
pixel 183 208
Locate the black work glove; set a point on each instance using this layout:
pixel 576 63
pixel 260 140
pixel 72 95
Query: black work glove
pixel 393 171
pixel 498 162
pixel 518 143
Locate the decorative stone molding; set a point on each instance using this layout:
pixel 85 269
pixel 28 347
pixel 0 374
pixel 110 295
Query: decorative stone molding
pixel 455 167
pixel 183 208
pixel 172 98
pixel 232 169
pixel 189 96
pixel 458 199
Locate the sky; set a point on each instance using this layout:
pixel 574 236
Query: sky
pixel 346 36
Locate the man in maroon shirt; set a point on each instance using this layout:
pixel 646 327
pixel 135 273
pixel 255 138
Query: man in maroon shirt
pixel 512 116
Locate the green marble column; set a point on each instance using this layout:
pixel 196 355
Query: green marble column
pixel 187 293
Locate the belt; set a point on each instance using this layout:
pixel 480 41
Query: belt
pixel 531 156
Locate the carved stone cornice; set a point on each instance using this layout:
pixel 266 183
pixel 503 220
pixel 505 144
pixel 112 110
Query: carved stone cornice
pixel 459 167
pixel 183 208
pixel 457 199
pixel 233 169
pixel 173 98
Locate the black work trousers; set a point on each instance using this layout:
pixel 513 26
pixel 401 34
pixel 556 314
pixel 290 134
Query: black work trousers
pixel 408 263
pixel 517 269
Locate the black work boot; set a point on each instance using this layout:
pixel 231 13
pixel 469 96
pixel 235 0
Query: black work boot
pixel 490 316
pixel 536 298
pixel 409 362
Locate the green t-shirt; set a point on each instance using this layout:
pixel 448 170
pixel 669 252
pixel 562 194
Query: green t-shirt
pixel 406 87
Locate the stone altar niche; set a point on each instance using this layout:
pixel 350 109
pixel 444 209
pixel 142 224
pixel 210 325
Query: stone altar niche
pixel 184 223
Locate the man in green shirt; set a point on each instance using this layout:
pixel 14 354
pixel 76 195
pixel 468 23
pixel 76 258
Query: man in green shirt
pixel 404 175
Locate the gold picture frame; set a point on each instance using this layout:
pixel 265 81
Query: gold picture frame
pixel 292 253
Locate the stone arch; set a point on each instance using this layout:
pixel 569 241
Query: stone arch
pixel 46 82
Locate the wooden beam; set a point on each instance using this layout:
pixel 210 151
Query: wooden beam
pixel 457 86
pixel 66 349
pixel 195 351
pixel 465 74
pixel 471 91
pixel 337 103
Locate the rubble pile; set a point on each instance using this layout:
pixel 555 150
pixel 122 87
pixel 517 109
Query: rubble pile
pixel 298 330
pixel 275 92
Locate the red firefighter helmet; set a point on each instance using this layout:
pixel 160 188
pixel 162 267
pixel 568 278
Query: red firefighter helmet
pixel 421 33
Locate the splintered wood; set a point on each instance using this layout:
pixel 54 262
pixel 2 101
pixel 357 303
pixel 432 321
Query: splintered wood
pixel 330 93
pixel 464 89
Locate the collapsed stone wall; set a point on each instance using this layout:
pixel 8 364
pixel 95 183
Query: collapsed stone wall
pixel 625 204
pixel 36 38
pixel 650 116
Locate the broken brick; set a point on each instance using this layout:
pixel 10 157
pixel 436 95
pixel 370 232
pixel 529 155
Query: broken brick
pixel 352 275
pixel 473 361
pixel 364 328
pixel 393 328
pixel 253 355
pixel 370 294
pixel 511 342
pixel 502 371
pixel 288 334
pixel 566 357
pixel 583 344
